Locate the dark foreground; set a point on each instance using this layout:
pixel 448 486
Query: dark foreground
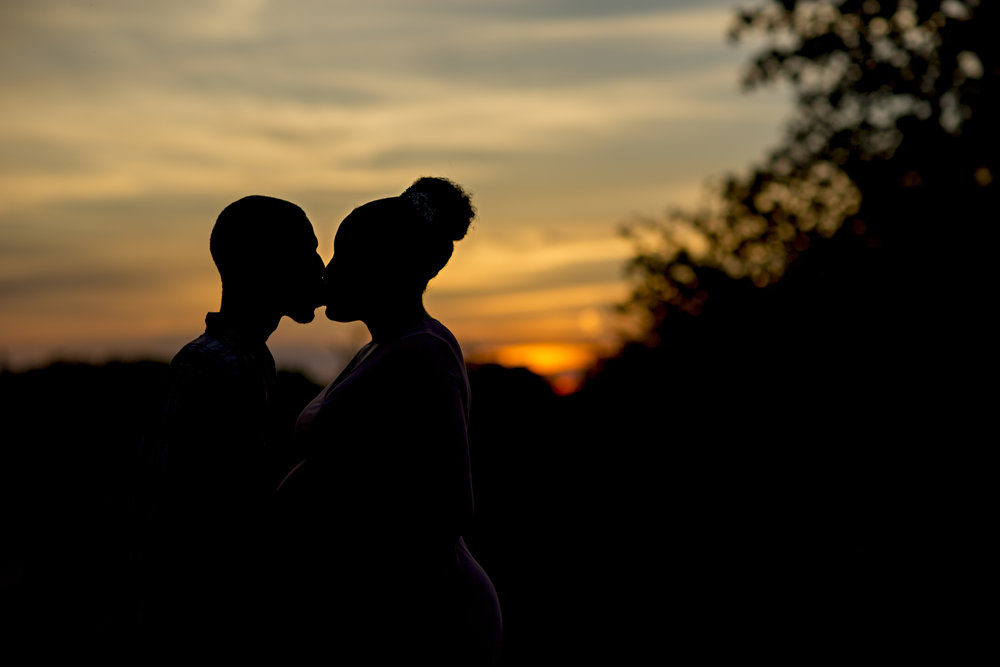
pixel 620 526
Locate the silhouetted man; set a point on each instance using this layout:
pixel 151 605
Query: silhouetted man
pixel 202 561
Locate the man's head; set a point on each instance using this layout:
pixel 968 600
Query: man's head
pixel 265 250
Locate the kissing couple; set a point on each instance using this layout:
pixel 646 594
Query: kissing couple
pixel 352 548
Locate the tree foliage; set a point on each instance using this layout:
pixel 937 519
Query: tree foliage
pixel 889 151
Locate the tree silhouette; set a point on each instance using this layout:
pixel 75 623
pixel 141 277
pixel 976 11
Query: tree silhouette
pixel 804 384
pixel 890 144
pixel 840 282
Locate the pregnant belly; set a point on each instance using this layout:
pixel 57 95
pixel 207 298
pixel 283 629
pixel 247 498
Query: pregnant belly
pixel 481 608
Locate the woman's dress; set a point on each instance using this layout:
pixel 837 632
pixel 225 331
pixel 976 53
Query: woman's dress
pixel 372 518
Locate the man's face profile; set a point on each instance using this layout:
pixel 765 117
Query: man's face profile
pixel 299 273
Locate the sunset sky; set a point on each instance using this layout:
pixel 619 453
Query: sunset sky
pixel 125 127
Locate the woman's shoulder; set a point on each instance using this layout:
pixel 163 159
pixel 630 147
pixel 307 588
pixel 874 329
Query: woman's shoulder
pixel 431 341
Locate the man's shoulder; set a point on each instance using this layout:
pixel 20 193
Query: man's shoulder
pixel 208 354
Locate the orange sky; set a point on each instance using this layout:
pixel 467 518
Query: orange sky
pixel 125 129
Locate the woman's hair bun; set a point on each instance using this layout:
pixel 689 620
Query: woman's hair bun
pixel 443 205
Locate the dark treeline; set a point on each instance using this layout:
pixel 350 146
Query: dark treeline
pixel 646 513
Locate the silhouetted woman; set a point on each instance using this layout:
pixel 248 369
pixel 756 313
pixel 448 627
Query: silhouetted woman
pixel 373 516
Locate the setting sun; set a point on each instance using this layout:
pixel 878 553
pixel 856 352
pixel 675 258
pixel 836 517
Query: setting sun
pixel 562 364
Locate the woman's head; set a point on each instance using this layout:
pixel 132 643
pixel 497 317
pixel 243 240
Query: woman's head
pixel 387 250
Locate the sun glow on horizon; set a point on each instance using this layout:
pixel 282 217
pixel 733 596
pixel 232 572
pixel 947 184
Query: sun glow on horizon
pixel 562 364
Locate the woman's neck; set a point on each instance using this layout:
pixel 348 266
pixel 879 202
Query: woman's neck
pixel 389 322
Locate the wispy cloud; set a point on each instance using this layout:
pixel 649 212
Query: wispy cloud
pixel 138 141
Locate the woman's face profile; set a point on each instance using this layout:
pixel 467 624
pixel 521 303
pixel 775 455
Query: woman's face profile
pixel 350 277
